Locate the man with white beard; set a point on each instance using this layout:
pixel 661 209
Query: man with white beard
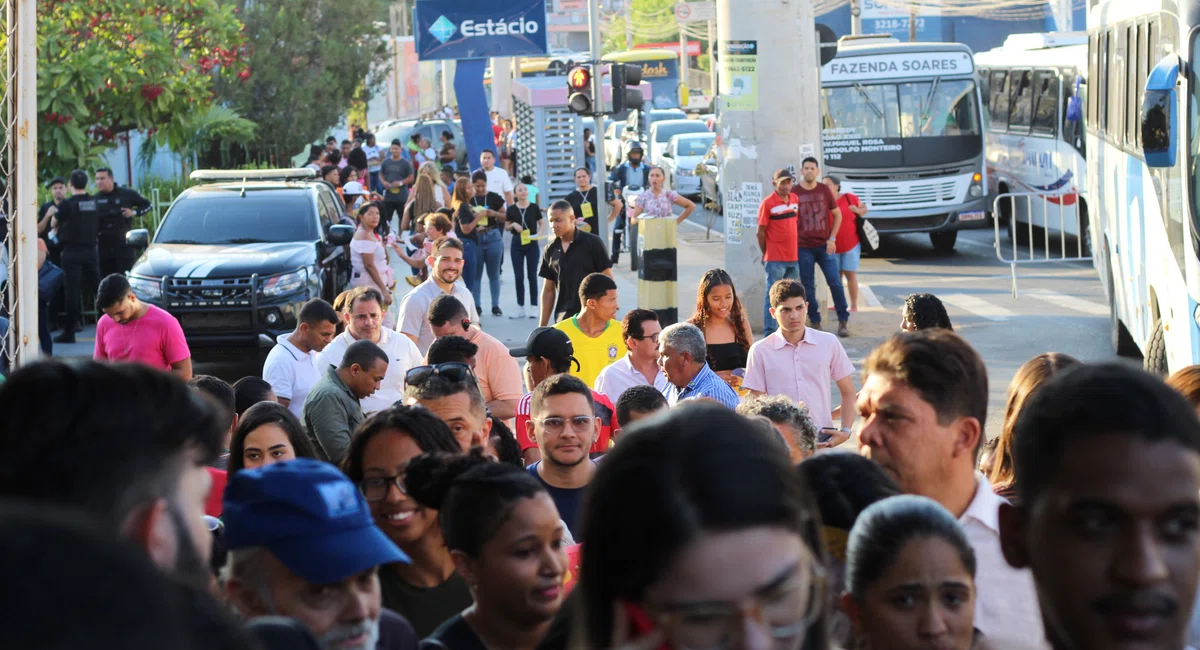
pixel 302 544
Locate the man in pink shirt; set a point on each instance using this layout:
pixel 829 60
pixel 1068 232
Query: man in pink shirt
pixel 801 362
pixel 498 373
pixel 131 330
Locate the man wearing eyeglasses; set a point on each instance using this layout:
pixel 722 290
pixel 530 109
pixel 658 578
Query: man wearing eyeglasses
pixel 303 544
pixel 451 392
pixel 639 367
pixel 563 426
pixel 498 373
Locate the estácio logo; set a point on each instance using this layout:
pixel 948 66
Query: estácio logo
pixel 498 27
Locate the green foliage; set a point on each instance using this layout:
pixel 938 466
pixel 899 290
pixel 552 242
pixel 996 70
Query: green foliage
pixel 309 57
pixel 109 66
pixel 202 127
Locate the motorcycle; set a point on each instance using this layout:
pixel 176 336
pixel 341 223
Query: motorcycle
pixel 630 196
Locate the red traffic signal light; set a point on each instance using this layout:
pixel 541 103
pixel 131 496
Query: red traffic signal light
pixel 579 78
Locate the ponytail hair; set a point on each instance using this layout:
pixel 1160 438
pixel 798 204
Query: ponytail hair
pixel 473 495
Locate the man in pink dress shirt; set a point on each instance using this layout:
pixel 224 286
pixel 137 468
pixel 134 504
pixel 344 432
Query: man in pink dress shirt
pixel 801 363
pixel 132 330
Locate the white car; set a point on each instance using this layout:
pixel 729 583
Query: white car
pixel 683 154
pixel 662 131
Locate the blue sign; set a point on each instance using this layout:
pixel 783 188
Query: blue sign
pixel 476 29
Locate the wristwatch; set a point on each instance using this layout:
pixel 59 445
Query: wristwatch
pixel 846 430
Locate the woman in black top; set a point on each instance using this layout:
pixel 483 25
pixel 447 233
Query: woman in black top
pixel 524 216
pixel 489 240
pixel 583 200
pixel 465 220
pixel 719 314
pixel 506 538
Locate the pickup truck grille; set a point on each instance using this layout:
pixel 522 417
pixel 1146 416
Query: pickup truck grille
pixel 224 292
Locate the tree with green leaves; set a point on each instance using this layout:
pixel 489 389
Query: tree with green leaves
pixel 309 57
pixel 106 67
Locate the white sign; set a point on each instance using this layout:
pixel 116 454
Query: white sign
pixel 741 211
pixel 895 66
pixel 693 12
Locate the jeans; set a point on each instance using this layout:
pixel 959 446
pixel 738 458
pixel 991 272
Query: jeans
pixel 470 261
pixel 829 266
pixel 525 261
pixel 776 271
pixel 490 254
pixel 81 266
pixel 374 182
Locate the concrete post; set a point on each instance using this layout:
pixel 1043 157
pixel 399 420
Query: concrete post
pixel 502 76
pixel 600 180
pixel 856 17
pixel 760 131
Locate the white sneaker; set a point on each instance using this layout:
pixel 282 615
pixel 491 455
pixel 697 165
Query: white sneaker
pixel 520 313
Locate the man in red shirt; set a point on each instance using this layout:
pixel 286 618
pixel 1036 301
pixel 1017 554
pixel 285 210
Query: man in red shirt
pixel 777 238
pixel 849 249
pixel 817 222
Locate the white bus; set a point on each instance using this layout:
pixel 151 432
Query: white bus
pixel 902 126
pixel 1033 87
pixel 1143 159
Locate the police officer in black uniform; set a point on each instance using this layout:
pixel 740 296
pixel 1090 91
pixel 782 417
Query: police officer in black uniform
pixel 118 206
pixel 78 221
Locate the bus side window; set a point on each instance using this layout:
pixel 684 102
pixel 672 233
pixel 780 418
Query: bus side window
pixel 998 99
pixel 1021 104
pixel 1045 112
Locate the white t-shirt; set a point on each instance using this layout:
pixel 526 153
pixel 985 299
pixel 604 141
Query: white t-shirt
pixel 414 309
pixel 291 373
pixel 498 181
pixel 372 152
pixel 402 355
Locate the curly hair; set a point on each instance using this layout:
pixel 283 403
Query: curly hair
pixel 927 312
pixel 712 279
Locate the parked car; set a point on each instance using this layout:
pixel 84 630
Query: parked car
pixel 698 100
pixel 612 144
pixel 683 155
pixel 432 129
pixel 637 125
pixel 710 178
pixel 234 260
pixel 662 131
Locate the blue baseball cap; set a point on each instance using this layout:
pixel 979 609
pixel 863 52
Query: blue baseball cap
pixel 310 516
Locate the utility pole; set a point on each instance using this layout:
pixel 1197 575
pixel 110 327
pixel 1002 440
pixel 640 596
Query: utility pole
pixel 856 17
pixel 712 61
pixel 912 22
pixel 601 179
pixel 760 131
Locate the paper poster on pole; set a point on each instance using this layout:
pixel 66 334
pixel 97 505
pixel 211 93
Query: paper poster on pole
pixel 741 211
pixel 739 75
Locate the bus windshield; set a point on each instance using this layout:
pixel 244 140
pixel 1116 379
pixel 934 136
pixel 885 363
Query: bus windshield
pixel 895 124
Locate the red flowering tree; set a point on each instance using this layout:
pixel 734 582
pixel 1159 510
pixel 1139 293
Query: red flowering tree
pixel 106 67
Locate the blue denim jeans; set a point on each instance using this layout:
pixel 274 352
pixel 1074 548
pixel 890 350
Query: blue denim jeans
pixel 829 266
pixel 490 255
pixel 470 261
pixel 374 182
pixel 525 259
pixel 776 271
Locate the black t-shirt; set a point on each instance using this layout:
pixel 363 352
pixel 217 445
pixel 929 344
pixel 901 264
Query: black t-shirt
pixel 569 501
pixel 527 217
pixel 78 220
pixel 586 255
pixel 114 224
pixel 42 215
pixel 577 198
pixel 464 214
pixel 395 633
pixel 425 608
pixel 492 201
pixel 454 634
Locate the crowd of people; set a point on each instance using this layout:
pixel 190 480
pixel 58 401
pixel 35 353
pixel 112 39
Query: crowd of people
pixel 397 478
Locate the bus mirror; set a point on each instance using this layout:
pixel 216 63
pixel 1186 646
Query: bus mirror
pixel 1160 115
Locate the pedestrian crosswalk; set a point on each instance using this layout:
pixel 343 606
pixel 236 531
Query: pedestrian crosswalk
pixel 1001 307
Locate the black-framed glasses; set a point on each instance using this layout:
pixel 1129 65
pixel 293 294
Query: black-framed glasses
pixel 652 337
pixel 376 488
pixel 451 370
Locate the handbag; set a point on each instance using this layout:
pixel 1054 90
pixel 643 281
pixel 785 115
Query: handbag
pixel 50 280
pixel 868 237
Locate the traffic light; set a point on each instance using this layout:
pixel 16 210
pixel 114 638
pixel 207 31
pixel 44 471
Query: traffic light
pixel 623 97
pixel 580 99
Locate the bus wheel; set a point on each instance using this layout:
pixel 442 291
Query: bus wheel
pixel 943 242
pixel 1155 361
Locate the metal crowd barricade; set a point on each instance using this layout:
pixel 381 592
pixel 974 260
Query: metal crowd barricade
pixel 1027 253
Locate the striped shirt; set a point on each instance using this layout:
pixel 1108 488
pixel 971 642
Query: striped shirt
pixel 707 384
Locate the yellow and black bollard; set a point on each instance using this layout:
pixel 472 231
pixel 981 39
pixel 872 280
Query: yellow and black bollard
pixel 657 277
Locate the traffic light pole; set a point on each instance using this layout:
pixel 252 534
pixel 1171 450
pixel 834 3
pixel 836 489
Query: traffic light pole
pixel 600 180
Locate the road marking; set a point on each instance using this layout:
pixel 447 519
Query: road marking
pixel 978 306
pixel 1070 302
pixel 865 295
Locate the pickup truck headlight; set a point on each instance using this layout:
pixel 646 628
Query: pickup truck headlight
pixel 284 284
pixel 146 288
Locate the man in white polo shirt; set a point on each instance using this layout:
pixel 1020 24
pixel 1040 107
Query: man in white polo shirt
pixel 291 365
pixel 365 322
pixel 497 179
pixel 443 279
pixel 639 329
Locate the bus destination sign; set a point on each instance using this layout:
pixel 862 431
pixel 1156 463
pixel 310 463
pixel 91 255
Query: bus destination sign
pixel 897 66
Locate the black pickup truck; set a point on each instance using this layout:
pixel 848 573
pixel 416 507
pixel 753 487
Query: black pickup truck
pixel 234 260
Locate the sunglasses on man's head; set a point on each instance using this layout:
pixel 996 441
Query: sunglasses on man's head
pixel 452 370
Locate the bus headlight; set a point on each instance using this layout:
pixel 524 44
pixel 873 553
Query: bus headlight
pixel 976 191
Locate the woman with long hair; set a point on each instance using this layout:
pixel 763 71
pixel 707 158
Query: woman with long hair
pixel 924 311
pixel 267 433
pixel 737 564
pixel 441 192
pixel 910 577
pixel 523 217
pixel 507 541
pixel 719 314
pixel 426 591
pixel 421 202
pixel 1025 383
pixel 369 260
pixel 465 220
